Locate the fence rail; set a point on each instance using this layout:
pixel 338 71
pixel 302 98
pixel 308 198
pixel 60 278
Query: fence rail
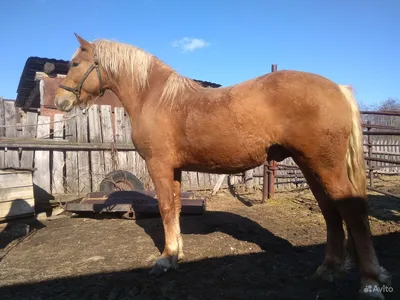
pixel 72 156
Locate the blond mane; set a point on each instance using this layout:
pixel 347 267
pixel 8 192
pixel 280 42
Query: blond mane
pixel 175 87
pixel 116 58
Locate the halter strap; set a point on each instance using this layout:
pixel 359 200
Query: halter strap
pixel 77 90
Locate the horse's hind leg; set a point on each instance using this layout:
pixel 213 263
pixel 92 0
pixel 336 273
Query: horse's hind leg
pixel 334 251
pixel 353 208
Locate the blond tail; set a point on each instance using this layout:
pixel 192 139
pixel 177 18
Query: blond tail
pixel 355 151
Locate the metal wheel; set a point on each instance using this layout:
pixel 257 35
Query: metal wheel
pixel 121 181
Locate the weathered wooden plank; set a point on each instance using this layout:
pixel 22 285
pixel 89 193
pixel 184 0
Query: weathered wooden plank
pixel 29 132
pixel 214 179
pixel 58 157
pixel 41 176
pixel 185 180
pixel 83 156
pixel 13 179
pixel 396 157
pixel 2 118
pixel 16 208
pixel 2 131
pixel 130 155
pixel 43 75
pixel 218 184
pixel 386 156
pixel 120 135
pixel 194 182
pixel 71 157
pixel 110 159
pixel 203 182
pixel 19 129
pixel 248 178
pixel 392 149
pixel 11 157
pixel 141 169
pixel 12 193
pixel 96 157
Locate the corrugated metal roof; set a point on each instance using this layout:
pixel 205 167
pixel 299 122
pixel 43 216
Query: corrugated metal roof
pixel 207 83
pixel 35 64
pixel 27 81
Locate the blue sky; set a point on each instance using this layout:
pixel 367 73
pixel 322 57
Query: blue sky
pixel 354 42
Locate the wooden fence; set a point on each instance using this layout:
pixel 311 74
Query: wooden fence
pixel 80 150
pixel 66 162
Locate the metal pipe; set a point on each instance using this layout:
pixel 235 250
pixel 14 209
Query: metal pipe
pixel 370 174
pixel 381 132
pixel 395 162
pixel 268 179
pixel 265 182
pixel 377 126
pixel 383 192
pixel 381 113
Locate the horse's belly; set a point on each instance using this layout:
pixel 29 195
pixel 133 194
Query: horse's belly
pixel 225 158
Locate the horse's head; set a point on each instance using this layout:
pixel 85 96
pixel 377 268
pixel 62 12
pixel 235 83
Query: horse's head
pixel 84 79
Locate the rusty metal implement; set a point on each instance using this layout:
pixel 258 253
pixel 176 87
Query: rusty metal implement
pixel 132 203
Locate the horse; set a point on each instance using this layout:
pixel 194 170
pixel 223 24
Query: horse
pixel 178 125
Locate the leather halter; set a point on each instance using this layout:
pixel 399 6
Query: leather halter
pixel 77 90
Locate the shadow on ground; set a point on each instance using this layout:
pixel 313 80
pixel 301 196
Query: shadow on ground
pixel 239 227
pixel 15 229
pixel 281 274
pixel 384 208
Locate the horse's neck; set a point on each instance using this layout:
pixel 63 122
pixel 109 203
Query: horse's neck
pixel 133 98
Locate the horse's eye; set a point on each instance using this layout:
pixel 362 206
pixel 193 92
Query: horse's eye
pixel 75 64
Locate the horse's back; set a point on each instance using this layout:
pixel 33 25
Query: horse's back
pixel 288 108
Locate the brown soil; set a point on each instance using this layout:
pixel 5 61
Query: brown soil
pixel 233 251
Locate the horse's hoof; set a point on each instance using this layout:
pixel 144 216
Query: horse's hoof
pixel 371 292
pixel 164 264
pixel 326 273
pixel 181 256
pixel 385 277
pixel 157 270
pixel 349 264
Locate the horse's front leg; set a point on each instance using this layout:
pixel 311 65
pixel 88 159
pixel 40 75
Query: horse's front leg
pixel 167 182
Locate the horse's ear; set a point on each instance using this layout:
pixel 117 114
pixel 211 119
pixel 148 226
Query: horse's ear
pixel 85 45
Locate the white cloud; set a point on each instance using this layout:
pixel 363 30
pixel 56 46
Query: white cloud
pixel 187 44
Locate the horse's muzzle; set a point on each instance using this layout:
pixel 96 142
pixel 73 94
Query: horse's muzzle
pixel 64 104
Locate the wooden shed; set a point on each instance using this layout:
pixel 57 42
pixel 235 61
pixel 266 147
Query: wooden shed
pixel 16 193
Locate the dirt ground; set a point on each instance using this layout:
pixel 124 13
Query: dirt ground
pixel 235 250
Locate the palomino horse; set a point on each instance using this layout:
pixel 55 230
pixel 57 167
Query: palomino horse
pixel 179 125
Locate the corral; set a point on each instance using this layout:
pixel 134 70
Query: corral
pixel 240 248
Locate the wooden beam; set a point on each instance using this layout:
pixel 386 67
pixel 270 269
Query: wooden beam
pixel 32 96
pixel 47 144
pixel 42 75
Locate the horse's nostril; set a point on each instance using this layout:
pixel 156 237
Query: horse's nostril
pixel 63 106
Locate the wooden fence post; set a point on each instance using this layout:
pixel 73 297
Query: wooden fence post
pixel 2 131
pixel 11 157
